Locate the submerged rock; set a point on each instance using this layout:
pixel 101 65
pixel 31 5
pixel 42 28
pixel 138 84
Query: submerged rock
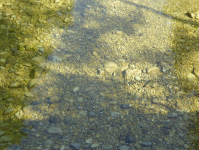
pixel 110 66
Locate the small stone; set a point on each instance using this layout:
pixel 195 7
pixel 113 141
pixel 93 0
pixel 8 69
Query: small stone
pixel 38 60
pixel 129 138
pixel 67 120
pixel 19 114
pixel 53 119
pixel 107 147
pixel 94 145
pixel 31 83
pixel 2 132
pixel 89 140
pixel 110 66
pixel 28 94
pixel 7 4
pixel 38 72
pixel 153 70
pixel 9 99
pixel 76 89
pixel 155 101
pixel 146 144
pixel 172 115
pixel 6 138
pixel 8 111
pixel 75 145
pixel 126 105
pixel 192 77
pixel 48 143
pixel 14 85
pixel 124 147
pixel 130 72
pixel 27 109
pixel 55 130
pixel 54 99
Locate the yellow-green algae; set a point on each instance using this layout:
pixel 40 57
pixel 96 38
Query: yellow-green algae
pixel 24 24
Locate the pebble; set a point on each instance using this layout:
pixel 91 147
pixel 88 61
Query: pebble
pixel 130 72
pixel 153 70
pixel 31 83
pixel 155 101
pixel 124 147
pixel 38 72
pixel 8 111
pixel 94 145
pixel 14 85
pixel 191 77
pixel 89 140
pixel 146 144
pixel 172 115
pixel 27 109
pixel 110 66
pixel 67 120
pixel 55 130
pixel 76 89
pixel 2 132
pixel 108 147
pixel 75 145
pixel 53 119
pixel 6 138
pixel 129 138
pixel 126 105
pixel 38 60
pixel 54 99
pixel 48 143
pixel 19 114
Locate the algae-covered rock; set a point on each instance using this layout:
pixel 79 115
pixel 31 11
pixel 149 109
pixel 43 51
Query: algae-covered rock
pixel 6 138
pixel 14 85
pixel 31 83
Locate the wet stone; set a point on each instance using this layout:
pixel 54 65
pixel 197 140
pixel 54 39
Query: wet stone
pixel 54 99
pixel 94 145
pixel 19 114
pixel 124 147
pixel 146 144
pixel 75 145
pixel 31 83
pixel 129 138
pixel 53 119
pixel 14 85
pixel 6 138
pixel 67 120
pixel 8 111
pixel 153 70
pixel 172 115
pixel 191 77
pixel 48 143
pixel 55 130
pixel 168 125
pixel 107 147
pixel 126 105
pixel 110 66
pixel 2 132
pixel 155 101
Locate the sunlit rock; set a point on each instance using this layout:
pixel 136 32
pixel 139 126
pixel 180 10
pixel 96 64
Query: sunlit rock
pixel 76 89
pixel 130 72
pixel 14 85
pixel 191 77
pixel 38 60
pixel 153 70
pixel 19 114
pixel 110 66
